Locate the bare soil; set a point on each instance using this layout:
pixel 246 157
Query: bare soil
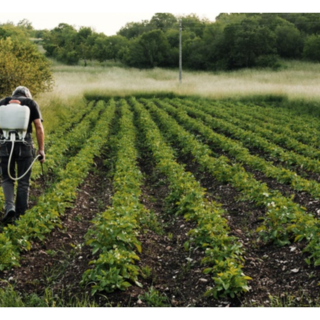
pixel 279 272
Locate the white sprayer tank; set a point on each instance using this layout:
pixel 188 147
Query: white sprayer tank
pixel 14 117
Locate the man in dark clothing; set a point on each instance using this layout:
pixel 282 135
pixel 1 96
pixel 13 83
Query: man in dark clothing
pixel 22 155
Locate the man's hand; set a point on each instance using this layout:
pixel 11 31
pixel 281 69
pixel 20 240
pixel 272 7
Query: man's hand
pixel 40 138
pixel 42 157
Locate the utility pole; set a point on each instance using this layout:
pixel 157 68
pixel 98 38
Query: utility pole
pixel 180 51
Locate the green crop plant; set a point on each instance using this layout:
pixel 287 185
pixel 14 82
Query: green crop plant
pixel 284 219
pixel 114 234
pixel 153 298
pixel 262 127
pixel 42 218
pixel 236 149
pixel 187 198
pixel 252 140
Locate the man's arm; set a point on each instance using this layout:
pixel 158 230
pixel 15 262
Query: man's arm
pixel 40 138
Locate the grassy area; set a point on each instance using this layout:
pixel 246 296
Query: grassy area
pixel 9 297
pixel 295 79
pixel 296 82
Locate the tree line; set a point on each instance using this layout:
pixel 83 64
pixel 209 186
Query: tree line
pixel 233 41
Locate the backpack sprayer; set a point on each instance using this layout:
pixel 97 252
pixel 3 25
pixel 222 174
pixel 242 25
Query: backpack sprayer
pixel 14 120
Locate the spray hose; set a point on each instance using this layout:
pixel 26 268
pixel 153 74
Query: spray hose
pixel 12 139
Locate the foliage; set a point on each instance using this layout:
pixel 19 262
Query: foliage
pixel 114 235
pixel 233 41
pixel 22 64
pixel 289 41
pixel 187 198
pixel 196 127
pixel 9 298
pixel 108 48
pixel 284 218
pixel 154 298
pixel 10 31
pixel 311 48
pixel 42 218
pixel 148 51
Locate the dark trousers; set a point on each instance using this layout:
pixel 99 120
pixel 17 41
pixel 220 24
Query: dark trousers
pixel 21 160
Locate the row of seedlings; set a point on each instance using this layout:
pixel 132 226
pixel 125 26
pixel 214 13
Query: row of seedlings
pixel 283 220
pixel 45 216
pixel 55 142
pixel 292 127
pixel 113 236
pixel 236 149
pixel 284 139
pixel 223 253
pixel 291 119
pixel 63 147
pixel 251 140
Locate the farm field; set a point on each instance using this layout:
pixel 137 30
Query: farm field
pixel 165 200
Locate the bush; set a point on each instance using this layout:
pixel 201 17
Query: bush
pixel 268 61
pixel 22 64
pixel 311 50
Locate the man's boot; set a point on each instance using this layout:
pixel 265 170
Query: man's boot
pixel 9 216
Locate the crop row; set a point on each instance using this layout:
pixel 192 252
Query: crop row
pixel 56 143
pixel 283 138
pixel 113 237
pixel 300 127
pixel 223 253
pixel 283 218
pixel 298 123
pixel 62 147
pixel 43 217
pixel 294 127
pixel 235 149
pixel 251 140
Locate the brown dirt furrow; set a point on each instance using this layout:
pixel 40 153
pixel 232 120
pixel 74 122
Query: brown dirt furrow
pixel 302 198
pixel 276 271
pixel 59 262
pixel 176 274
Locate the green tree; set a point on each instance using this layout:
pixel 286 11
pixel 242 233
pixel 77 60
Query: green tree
pixel 22 64
pixel 114 46
pixel 192 23
pixel 163 21
pixel 61 43
pixel 311 50
pixel 10 30
pixel 148 51
pixel 134 29
pixel 193 48
pixel 244 44
pixel 109 48
pixel 289 41
pixel 83 45
pixel 100 47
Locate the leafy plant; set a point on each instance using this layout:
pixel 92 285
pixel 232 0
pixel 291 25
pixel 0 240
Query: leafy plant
pixel 154 299
pixel 42 218
pixel 186 197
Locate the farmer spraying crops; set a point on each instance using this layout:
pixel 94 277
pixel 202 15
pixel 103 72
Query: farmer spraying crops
pixel 16 149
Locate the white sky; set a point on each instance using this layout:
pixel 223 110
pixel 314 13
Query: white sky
pixel 107 22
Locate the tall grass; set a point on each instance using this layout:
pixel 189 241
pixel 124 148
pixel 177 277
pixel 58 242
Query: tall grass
pixel 295 81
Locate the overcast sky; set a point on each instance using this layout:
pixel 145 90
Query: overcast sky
pixel 107 22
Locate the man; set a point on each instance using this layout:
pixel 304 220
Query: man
pixel 23 155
